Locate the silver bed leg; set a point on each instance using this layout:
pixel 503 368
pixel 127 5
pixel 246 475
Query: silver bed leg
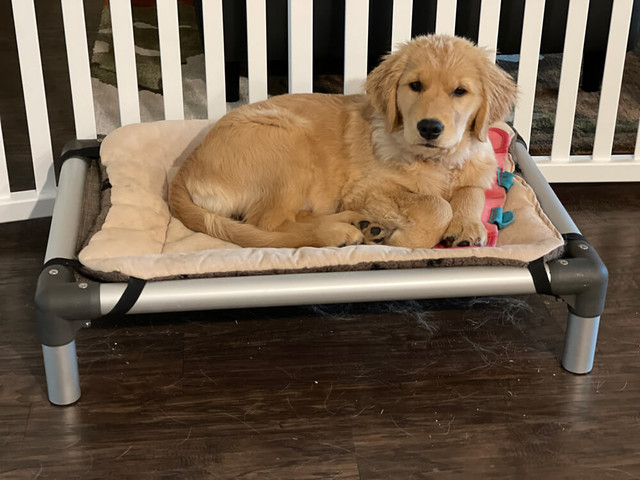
pixel 580 343
pixel 580 278
pixel 61 369
pixel 62 305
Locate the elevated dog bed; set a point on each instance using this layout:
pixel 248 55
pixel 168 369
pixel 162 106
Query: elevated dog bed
pixel 140 238
pixel 114 248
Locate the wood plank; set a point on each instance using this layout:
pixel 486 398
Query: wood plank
pixel 27 204
pixel 257 49
pixel 356 36
pixel 35 101
pixel 214 58
pixel 612 78
pixel 5 187
pixel 446 17
pixel 401 27
pixel 528 69
pixel 618 168
pixel 75 34
pixel 489 25
pixel 569 79
pixel 170 63
pixel 351 391
pixel 300 14
pixel 637 149
pixel 125 60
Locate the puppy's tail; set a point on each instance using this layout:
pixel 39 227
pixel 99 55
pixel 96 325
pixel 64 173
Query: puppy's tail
pixel 199 219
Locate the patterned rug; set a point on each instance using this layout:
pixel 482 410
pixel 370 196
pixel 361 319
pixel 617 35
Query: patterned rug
pixel 150 84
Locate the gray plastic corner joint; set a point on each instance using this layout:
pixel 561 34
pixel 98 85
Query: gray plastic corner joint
pixel 580 278
pixel 63 306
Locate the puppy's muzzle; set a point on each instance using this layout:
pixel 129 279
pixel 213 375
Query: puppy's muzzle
pixel 430 128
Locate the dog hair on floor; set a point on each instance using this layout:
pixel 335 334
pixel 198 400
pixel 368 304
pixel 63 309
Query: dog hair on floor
pixel 405 164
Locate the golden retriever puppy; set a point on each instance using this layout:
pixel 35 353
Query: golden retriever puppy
pixel 405 164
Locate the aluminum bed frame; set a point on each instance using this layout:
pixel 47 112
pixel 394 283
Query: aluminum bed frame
pixel 65 305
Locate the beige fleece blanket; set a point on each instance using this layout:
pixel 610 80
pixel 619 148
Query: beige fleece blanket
pixel 141 238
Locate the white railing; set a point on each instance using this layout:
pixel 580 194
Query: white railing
pixel 37 202
pixel 560 166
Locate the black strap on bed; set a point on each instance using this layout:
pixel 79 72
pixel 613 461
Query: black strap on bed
pixel 519 139
pixel 91 151
pixel 539 272
pixel 573 237
pixel 129 297
pixel 539 276
pixel 65 262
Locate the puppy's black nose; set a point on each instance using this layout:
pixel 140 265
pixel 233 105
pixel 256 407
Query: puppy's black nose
pixel 430 128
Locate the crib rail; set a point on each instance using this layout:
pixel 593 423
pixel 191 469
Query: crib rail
pixel 559 166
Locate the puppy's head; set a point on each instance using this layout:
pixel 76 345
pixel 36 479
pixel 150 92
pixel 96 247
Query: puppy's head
pixel 438 89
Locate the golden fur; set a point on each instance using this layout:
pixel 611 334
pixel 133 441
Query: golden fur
pixel 332 170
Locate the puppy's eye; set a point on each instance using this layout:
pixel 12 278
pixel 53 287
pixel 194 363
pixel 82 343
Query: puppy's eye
pixel 459 92
pixel 415 86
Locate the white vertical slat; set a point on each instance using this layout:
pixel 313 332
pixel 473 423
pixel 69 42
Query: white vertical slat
pixel 5 188
pixel 169 39
pixel 446 17
pixel 612 79
pixel 35 102
pixel 528 69
pixel 356 36
pixel 569 79
pixel 489 25
pixel 300 46
pixel 401 28
pixel 214 58
pixel 75 36
pixel 125 61
pixel 257 49
pixel 636 153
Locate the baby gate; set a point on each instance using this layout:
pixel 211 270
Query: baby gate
pixel 559 166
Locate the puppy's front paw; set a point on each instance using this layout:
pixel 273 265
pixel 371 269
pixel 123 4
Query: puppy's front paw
pixel 465 233
pixel 374 234
pixel 339 234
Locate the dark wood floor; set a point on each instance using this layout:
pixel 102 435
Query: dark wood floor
pixel 448 389
pixel 359 391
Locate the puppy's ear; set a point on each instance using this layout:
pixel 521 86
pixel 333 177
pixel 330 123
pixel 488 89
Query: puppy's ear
pixel 382 87
pixel 499 97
